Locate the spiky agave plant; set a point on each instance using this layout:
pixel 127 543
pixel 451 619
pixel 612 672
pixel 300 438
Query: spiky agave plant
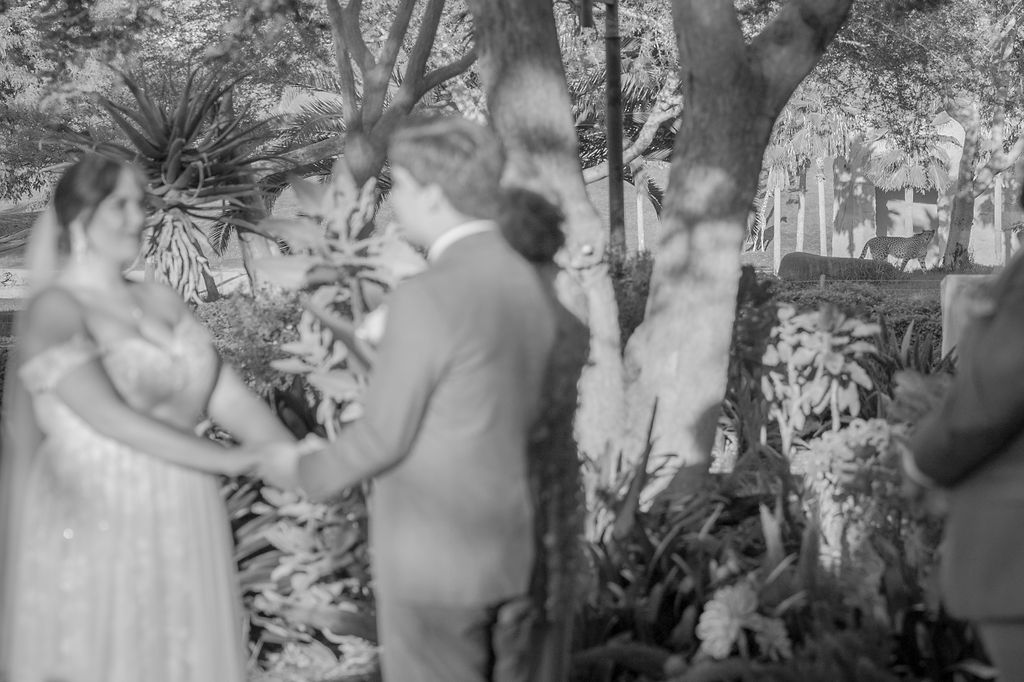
pixel 197 155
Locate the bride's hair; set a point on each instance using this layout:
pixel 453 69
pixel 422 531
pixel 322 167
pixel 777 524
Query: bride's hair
pixel 81 189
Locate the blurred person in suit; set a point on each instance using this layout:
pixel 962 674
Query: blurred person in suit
pixel 453 396
pixel 972 446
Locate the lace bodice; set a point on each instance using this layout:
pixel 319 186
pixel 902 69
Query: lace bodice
pixel 171 380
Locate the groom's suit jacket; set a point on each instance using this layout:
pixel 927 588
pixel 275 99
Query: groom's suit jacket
pixel 454 391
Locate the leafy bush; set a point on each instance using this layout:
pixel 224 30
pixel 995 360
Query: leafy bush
pixel 899 307
pixel 304 573
pixel 249 333
pixel 805 562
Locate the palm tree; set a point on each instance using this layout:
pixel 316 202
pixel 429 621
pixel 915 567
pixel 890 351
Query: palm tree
pixel 815 133
pixel 777 170
pixel 650 100
pixel 911 165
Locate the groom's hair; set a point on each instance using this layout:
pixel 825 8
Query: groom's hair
pixel 463 158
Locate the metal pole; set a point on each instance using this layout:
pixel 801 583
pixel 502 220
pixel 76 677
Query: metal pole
pixel 613 125
pixel 586 13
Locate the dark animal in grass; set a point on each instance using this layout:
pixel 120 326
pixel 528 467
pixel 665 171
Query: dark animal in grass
pixel 800 266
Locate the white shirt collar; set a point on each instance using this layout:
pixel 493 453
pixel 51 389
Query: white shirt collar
pixel 458 232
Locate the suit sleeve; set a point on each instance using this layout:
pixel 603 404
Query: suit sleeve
pixel 409 363
pixel 984 410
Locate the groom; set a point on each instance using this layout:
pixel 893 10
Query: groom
pixel 455 388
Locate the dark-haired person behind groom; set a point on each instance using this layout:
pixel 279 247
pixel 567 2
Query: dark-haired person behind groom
pixel 533 226
pixel 453 395
pixel 973 446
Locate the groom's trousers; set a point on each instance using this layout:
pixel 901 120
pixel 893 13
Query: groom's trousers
pixel 421 643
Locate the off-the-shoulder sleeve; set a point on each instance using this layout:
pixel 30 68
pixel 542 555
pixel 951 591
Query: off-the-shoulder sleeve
pixel 41 372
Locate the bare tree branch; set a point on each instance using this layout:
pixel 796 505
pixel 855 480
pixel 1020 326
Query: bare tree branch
pixel 343 62
pixel 409 92
pixel 417 63
pixel 396 36
pixel 667 107
pixel 446 72
pixel 793 41
pixel 354 37
pixel 377 80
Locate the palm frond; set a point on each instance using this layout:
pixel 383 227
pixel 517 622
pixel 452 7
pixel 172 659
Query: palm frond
pixel 656 193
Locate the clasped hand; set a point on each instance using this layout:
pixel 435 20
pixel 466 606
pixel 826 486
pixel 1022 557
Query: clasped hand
pixel 279 462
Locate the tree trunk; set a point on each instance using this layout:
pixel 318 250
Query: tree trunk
pixel 530 108
pixel 365 154
pixel 254 246
pixel 762 220
pixel 961 213
pixel 801 217
pixel 716 161
pixel 733 92
pixel 908 217
pixel 819 176
pixel 777 230
pixel 641 244
pixel 613 130
pixel 997 219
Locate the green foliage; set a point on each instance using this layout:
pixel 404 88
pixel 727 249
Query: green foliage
pixel 870 302
pixel 649 57
pixel 349 271
pixel 249 334
pixel 812 362
pixel 826 548
pixel 304 575
pixel 303 567
pixel 722 583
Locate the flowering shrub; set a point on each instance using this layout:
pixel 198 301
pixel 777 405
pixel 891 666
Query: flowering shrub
pixel 812 368
pixel 349 271
pixel 730 615
pixel 304 566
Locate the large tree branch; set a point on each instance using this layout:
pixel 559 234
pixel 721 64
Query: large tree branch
pixel 354 37
pixel 408 93
pixel 417 63
pixel 667 107
pixel 791 44
pixel 709 32
pixel 378 79
pixel 343 62
pixel 446 72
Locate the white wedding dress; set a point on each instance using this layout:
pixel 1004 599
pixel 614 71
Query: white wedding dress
pixel 120 567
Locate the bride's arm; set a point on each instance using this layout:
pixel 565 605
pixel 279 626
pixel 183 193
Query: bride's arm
pixel 234 407
pixel 52 320
pixel 232 404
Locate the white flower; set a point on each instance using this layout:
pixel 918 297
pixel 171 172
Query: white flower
pixel 771 636
pixel 724 617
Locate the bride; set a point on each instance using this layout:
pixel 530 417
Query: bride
pixel 116 549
